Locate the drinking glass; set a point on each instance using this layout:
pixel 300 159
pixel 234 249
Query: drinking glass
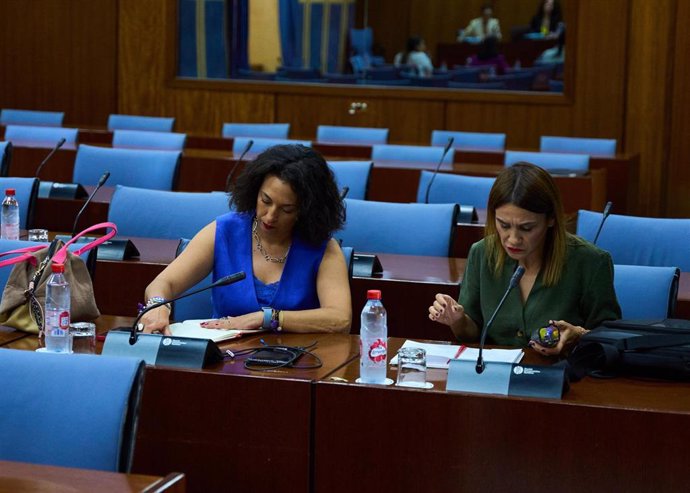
pixel 38 235
pixel 412 367
pixel 83 337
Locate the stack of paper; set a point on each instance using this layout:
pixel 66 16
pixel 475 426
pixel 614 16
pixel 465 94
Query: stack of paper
pixel 439 355
pixel 193 328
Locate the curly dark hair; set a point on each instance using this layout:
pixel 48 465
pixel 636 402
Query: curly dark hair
pixel 321 210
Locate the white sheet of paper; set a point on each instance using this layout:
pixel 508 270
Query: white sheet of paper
pixel 439 355
pixel 193 328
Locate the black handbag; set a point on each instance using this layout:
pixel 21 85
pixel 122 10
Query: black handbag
pixel 643 348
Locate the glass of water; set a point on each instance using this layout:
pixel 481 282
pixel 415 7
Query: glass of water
pixel 412 367
pixel 83 337
pixel 38 235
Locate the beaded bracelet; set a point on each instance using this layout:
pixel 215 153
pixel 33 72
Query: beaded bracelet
pixel 152 301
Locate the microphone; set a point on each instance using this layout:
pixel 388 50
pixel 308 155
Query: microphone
pixel 607 211
pixel 101 182
pixel 228 182
pixel 344 192
pixel 514 281
pixel 438 167
pixel 223 281
pixel 59 144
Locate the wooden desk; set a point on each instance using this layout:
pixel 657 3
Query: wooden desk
pixel 20 477
pixel 605 435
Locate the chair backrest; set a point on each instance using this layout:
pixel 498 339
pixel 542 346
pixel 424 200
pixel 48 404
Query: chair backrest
pixel 646 292
pixel 354 135
pixel 28 117
pixel 263 130
pixel 40 136
pixel 410 229
pixel 635 240
pixel 352 174
pixel 470 141
pixel 455 189
pixel 144 139
pixel 130 167
pixel 70 410
pixel 361 41
pixel 348 252
pixel 422 154
pixel 5 157
pixel 261 144
pixel 577 145
pixel 88 257
pixel 550 161
pixel 196 306
pixel 135 122
pixel 26 194
pixel 164 214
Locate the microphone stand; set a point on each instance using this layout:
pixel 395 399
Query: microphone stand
pixel 438 167
pixel 101 182
pixel 605 215
pixel 59 144
pixel 228 182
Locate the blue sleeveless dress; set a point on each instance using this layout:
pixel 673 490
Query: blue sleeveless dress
pixel 233 253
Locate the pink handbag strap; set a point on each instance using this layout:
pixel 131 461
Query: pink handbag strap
pixel 27 251
pixel 61 255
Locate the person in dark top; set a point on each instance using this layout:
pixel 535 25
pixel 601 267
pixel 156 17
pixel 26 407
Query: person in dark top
pixel 488 55
pixel 548 19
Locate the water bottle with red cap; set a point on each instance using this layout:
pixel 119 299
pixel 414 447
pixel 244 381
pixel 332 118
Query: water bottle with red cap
pixel 9 226
pixel 373 340
pixel 58 338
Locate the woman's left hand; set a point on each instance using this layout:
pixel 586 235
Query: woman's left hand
pixel 569 336
pixel 249 321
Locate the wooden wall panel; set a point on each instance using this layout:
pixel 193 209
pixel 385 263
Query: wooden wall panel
pixel 677 194
pixel 60 55
pixel 649 82
pixel 144 76
pixel 306 112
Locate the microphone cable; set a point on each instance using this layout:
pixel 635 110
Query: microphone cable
pixel 275 357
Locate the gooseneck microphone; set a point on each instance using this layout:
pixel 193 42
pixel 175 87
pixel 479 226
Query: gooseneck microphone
pixel 514 281
pixel 438 167
pixel 223 281
pixel 59 144
pixel 607 211
pixel 344 192
pixel 101 182
pixel 228 182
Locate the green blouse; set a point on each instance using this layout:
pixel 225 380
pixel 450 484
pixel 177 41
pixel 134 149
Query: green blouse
pixel 584 295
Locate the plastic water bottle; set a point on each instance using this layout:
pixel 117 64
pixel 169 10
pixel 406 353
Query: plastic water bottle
pixel 58 339
pixel 9 227
pixel 373 340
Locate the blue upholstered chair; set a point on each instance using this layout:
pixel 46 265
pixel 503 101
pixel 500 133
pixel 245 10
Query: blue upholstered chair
pixel 144 139
pixel 646 292
pixel 134 122
pixel 197 306
pixel 26 193
pixel 635 240
pixel 470 141
pixel 352 174
pixel 550 161
pixel 577 145
pixel 480 86
pixel 40 136
pixel 260 144
pixel 27 117
pixel 5 157
pixel 348 252
pixel 410 229
pixel 262 130
pixel 351 135
pixel 405 153
pixel 555 85
pixel 164 214
pixel 70 410
pixel 133 168
pixel 362 42
pixel 455 189
pixel 516 81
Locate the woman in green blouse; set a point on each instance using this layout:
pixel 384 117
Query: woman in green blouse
pixel 567 281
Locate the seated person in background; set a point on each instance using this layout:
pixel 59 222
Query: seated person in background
pixel 555 54
pixel 288 206
pixel 416 57
pixel 548 20
pixel 567 281
pixel 483 26
pixel 488 56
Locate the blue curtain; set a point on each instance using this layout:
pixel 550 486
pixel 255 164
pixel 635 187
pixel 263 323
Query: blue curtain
pixel 202 38
pixel 313 33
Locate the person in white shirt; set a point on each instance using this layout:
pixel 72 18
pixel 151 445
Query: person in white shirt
pixel 416 57
pixel 481 27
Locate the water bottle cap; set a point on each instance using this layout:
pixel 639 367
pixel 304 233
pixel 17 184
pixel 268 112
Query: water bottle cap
pixel 374 294
pixel 10 191
pixel 58 268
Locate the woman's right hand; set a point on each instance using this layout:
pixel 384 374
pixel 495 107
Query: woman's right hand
pixel 446 310
pixel 157 321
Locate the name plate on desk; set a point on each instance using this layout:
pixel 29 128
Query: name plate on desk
pixel 155 349
pixel 55 190
pixel 467 214
pixel 365 265
pixel 122 249
pixel 513 379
